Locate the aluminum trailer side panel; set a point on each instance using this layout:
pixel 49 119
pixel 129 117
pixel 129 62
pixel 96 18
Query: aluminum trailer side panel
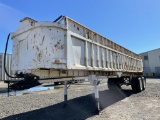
pixel 67 45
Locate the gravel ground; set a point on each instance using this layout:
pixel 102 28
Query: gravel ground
pixel 48 105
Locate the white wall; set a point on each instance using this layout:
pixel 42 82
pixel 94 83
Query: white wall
pixel 152 62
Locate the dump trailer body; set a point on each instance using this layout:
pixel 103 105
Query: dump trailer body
pixel 67 48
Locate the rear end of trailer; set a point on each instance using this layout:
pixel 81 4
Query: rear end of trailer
pixel 65 50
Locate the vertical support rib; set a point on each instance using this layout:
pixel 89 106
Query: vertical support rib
pixel 86 54
pixel 103 59
pixel 95 82
pixel 118 63
pixel 8 88
pixel 97 96
pixel 65 93
pixel 97 55
pixel 92 59
pixel 107 55
pixel 111 62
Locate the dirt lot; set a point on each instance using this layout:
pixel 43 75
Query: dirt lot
pixel 48 105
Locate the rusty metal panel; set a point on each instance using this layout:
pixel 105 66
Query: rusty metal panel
pixel 40 46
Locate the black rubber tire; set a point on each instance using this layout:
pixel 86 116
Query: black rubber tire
pixel 113 84
pixel 136 84
pixel 144 83
pixel 62 82
pixel 56 83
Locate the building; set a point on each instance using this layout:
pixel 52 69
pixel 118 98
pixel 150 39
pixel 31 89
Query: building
pixel 3 76
pixel 151 62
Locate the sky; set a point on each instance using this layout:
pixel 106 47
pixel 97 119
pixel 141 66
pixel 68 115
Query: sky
pixel 133 24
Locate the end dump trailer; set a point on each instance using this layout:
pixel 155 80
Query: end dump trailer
pixel 65 50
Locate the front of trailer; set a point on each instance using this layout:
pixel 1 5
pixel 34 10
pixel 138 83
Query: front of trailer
pixel 38 46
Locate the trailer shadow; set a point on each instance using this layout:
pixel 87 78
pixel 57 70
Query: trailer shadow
pixel 78 108
pixel 3 90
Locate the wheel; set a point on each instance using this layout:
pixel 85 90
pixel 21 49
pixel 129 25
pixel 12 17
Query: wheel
pixel 56 83
pixel 144 83
pixel 62 82
pixel 113 84
pixel 136 84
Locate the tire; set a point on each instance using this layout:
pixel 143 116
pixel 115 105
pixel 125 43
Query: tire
pixel 113 84
pixel 56 83
pixel 144 83
pixel 62 82
pixel 137 84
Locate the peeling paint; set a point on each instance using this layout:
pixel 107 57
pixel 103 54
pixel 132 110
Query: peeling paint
pixel 27 44
pixel 43 39
pixel 37 48
pixel 34 36
pixel 34 60
pixel 39 56
pixel 52 50
pixel 65 44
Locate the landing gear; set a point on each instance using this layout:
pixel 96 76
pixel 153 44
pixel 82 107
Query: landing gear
pixel 95 82
pixel 144 83
pixel 137 84
pixel 65 93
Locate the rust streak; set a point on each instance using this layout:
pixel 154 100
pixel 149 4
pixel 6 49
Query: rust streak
pixel 37 48
pixel 39 56
pixel 43 39
pixel 77 28
pixel 34 60
pixel 46 50
pixel 34 35
pixel 27 44
pixel 52 50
